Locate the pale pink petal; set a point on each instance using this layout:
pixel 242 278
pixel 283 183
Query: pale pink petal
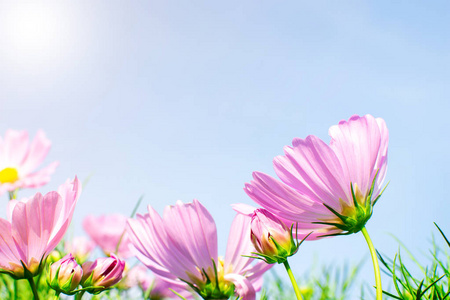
pixel 282 200
pixel 239 244
pixel 32 223
pixel 38 150
pixel 255 273
pixel 106 231
pixel 38 178
pixel 193 231
pixel 155 247
pixel 15 146
pixel 311 166
pixel 244 209
pixel 70 192
pixel 381 162
pixel 9 252
pixel 358 143
pixel 243 287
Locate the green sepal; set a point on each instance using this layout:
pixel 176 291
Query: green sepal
pixel 283 253
pixel 212 289
pixel 360 216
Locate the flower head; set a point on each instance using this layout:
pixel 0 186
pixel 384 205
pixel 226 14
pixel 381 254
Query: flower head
pixel 107 232
pixel 19 159
pixel 272 239
pixel 328 189
pixel 65 275
pixel 181 247
pixel 35 227
pixel 102 273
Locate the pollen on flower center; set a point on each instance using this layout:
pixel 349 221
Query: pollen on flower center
pixel 9 175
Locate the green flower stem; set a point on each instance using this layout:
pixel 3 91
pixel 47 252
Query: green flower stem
pixel 376 266
pixel 13 194
pixel 33 288
pixel 79 295
pixel 56 296
pixel 16 282
pixel 294 283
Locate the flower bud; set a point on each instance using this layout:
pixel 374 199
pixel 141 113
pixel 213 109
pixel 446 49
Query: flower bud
pixel 272 239
pixel 64 276
pixel 102 273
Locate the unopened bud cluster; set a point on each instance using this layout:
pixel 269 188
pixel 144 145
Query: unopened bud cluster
pixel 65 275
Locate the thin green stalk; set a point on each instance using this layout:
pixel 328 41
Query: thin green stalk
pixel 33 288
pixel 79 295
pixel 13 194
pixel 376 267
pixel 56 296
pixel 132 215
pixel 292 278
pixel 15 289
pixel 7 285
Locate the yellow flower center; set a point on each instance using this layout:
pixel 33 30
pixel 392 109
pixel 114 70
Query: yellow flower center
pixel 9 175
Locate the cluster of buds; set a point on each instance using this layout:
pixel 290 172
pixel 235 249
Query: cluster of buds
pixel 65 275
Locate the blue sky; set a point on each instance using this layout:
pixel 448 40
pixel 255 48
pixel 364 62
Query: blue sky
pixel 185 100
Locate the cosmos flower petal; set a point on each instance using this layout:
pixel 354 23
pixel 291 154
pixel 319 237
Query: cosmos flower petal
pixel 15 146
pixel 38 150
pixel 195 232
pixel 361 149
pixel 239 244
pixel 243 287
pixel 106 231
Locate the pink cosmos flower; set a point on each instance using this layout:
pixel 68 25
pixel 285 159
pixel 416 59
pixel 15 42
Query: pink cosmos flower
pixel 328 189
pixel 183 246
pixel 81 247
pixel 19 159
pixel 106 231
pixel 35 227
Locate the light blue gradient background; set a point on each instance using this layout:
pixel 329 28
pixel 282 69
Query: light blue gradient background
pixel 183 100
